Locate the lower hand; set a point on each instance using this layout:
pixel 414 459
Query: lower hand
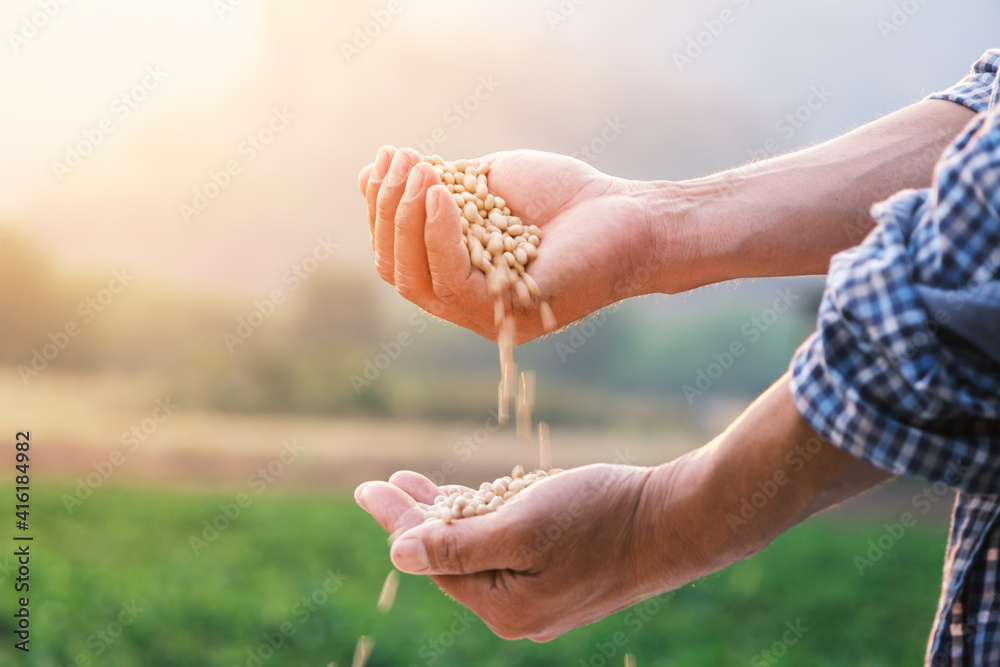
pixel 566 551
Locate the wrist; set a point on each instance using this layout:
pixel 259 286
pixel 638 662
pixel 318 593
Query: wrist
pixel 681 539
pixel 681 248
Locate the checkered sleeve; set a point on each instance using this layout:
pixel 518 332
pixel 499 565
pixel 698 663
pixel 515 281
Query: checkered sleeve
pixel 904 369
pixel 979 89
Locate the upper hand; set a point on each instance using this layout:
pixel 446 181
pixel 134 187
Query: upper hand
pixel 593 237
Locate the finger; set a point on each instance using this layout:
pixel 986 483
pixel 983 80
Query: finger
pixel 386 204
pixel 411 274
pixel 359 495
pixel 383 209
pixel 382 161
pixel 363 177
pixel 393 508
pixel 419 487
pixel 412 277
pixel 453 279
pixel 467 546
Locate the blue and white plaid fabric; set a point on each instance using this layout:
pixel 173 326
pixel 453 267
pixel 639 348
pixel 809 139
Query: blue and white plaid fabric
pixel 904 369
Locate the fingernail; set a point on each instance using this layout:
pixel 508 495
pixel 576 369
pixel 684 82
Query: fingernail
pixel 413 184
pixel 398 168
pixel 381 164
pixel 432 206
pixel 359 496
pixel 409 555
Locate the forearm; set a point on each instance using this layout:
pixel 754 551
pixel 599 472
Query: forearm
pixel 731 498
pixel 789 214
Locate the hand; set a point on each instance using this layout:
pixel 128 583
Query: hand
pixel 587 542
pixel 594 235
pixel 566 551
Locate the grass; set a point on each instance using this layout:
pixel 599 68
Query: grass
pixel 131 547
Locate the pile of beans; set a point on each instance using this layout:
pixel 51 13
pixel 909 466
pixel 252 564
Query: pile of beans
pixel 499 243
pixel 490 496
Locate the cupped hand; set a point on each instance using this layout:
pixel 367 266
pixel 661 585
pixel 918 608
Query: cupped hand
pixel 594 235
pixel 566 551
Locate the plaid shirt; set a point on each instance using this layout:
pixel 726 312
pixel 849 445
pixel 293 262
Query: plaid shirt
pixel 904 368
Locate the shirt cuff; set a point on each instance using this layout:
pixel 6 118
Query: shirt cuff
pixel 978 90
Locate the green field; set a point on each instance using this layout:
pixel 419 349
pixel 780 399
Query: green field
pixel 117 583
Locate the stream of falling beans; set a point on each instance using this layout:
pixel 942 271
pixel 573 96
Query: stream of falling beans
pixel 501 246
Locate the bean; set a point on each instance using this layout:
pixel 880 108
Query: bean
pixel 388 594
pixel 497 218
pixel 549 322
pixel 362 650
pixel 523 295
pixel 532 285
pixel 495 244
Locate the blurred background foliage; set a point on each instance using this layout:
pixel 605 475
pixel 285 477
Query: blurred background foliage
pixel 311 356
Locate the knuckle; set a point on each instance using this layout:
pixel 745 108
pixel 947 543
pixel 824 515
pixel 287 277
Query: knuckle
pixel 447 555
pixel 385 210
pixel 405 288
pixel 385 270
pixel 446 292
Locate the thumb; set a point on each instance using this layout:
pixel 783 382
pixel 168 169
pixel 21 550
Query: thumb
pixel 446 254
pixel 452 275
pixel 475 544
